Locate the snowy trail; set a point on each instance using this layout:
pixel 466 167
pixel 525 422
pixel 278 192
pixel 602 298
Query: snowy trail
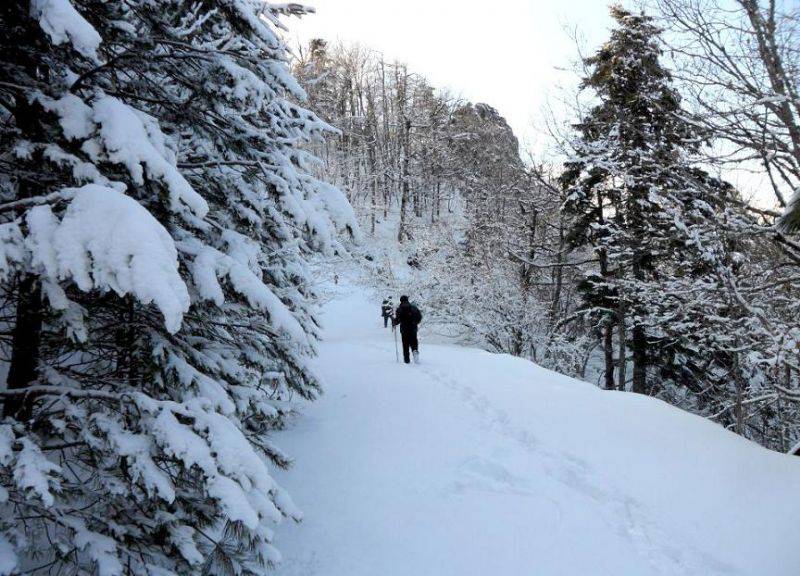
pixel 476 464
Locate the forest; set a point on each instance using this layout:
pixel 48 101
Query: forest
pixel 633 263
pixel 174 175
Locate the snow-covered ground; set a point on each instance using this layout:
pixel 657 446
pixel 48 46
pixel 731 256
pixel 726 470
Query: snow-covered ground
pixel 479 464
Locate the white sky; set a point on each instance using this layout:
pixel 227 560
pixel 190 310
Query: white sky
pixel 505 53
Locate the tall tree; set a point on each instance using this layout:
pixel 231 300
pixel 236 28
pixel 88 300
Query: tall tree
pixel 625 179
pixel 156 212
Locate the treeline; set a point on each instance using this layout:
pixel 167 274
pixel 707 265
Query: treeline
pixel 633 263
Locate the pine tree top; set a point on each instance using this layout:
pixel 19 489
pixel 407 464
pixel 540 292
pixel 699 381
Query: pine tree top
pixel 628 65
pixel 638 104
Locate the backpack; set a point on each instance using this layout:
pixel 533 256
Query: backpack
pixel 416 315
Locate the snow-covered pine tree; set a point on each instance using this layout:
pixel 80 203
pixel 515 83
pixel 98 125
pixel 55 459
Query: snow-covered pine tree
pixel 696 324
pixel 718 351
pixel 626 179
pixel 678 271
pixel 156 209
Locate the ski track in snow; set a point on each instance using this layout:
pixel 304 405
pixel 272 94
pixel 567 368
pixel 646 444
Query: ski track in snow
pixel 432 469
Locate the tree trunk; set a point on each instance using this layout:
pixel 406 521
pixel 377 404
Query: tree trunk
pixel 385 152
pixel 558 276
pixel 639 349
pixel 417 196
pixel 638 336
pixel 608 328
pixel 608 352
pixel 401 232
pixel 25 347
pixel 373 176
pixel 622 361
pixel 437 201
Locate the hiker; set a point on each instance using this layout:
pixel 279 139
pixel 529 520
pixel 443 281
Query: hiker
pixel 386 310
pixel 408 318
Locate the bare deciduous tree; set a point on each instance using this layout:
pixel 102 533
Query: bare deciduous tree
pixel 739 65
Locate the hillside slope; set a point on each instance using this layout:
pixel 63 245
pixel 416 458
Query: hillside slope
pixel 475 464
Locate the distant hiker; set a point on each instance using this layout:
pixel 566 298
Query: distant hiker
pixel 386 310
pixel 408 318
pixel 335 278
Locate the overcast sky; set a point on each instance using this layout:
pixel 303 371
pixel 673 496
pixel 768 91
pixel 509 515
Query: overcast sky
pixel 505 53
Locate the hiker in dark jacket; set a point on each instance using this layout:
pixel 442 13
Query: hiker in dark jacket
pixel 408 318
pixel 386 311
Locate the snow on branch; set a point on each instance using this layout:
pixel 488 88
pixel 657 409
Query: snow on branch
pixel 112 130
pixel 134 139
pixel 63 23
pixel 210 265
pixel 107 240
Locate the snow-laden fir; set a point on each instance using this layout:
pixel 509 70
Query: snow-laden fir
pixel 157 210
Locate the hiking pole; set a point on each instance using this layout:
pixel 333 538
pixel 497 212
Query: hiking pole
pixel 396 353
